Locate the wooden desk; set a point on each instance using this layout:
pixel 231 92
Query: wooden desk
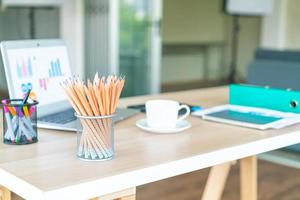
pixel 50 169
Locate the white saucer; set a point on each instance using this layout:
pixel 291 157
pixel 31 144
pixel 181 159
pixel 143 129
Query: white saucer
pixel 180 126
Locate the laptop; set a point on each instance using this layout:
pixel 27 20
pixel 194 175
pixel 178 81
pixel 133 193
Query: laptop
pixel 41 65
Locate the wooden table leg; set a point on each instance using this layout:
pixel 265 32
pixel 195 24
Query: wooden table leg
pixel 248 176
pixel 128 194
pixel 5 194
pixel 216 181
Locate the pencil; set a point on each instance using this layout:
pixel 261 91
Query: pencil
pixel 94 103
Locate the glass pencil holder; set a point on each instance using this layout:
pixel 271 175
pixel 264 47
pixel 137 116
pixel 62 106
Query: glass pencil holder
pixel 19 122
pixel 95 137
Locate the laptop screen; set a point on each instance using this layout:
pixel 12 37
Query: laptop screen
pixel 40 68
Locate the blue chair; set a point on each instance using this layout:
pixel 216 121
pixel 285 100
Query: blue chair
pixel 278 69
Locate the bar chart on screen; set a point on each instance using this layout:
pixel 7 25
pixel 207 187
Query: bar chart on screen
pixel 43 82
pixel 55 69
pixel 24 68
pixel 44 68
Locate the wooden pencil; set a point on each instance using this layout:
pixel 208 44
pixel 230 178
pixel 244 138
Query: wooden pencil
pixel 97 98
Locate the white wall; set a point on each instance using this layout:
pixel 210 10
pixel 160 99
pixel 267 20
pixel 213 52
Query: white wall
pixel 72 31
pixel 200 24
pixel 248 43
pixel 281 30
pixel 203 22
pixel 182 67
pixel 293 25
pixel 273 31
pixel 193 21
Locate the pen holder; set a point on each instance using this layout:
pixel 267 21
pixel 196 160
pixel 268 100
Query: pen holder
pixel 95 137
pixel 19 122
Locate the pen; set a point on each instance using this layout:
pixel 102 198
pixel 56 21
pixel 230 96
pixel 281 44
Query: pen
pixel 26 112
pixel 25 131
pixel 25 126
pixel 18 132
pixel 195 108
pixel 14 127
pixel 26 97
pixel 10 108
pixel 31 111
pixel 9 124
pixel 28 121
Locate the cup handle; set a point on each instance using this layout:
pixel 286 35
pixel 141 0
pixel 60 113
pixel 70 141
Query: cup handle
pixel 186 114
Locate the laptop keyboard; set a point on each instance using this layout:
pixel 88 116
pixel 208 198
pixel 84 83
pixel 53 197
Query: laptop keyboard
pixel 59 118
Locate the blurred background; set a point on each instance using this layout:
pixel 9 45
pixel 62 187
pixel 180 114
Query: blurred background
pixel 170 45
pixel 160 45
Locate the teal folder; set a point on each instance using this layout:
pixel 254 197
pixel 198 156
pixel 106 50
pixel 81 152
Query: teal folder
pixel 264 97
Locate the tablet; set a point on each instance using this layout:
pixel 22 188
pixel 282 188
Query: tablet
pixel 251 117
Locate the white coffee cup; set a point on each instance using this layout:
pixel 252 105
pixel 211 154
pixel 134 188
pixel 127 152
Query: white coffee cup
pixel 163 114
